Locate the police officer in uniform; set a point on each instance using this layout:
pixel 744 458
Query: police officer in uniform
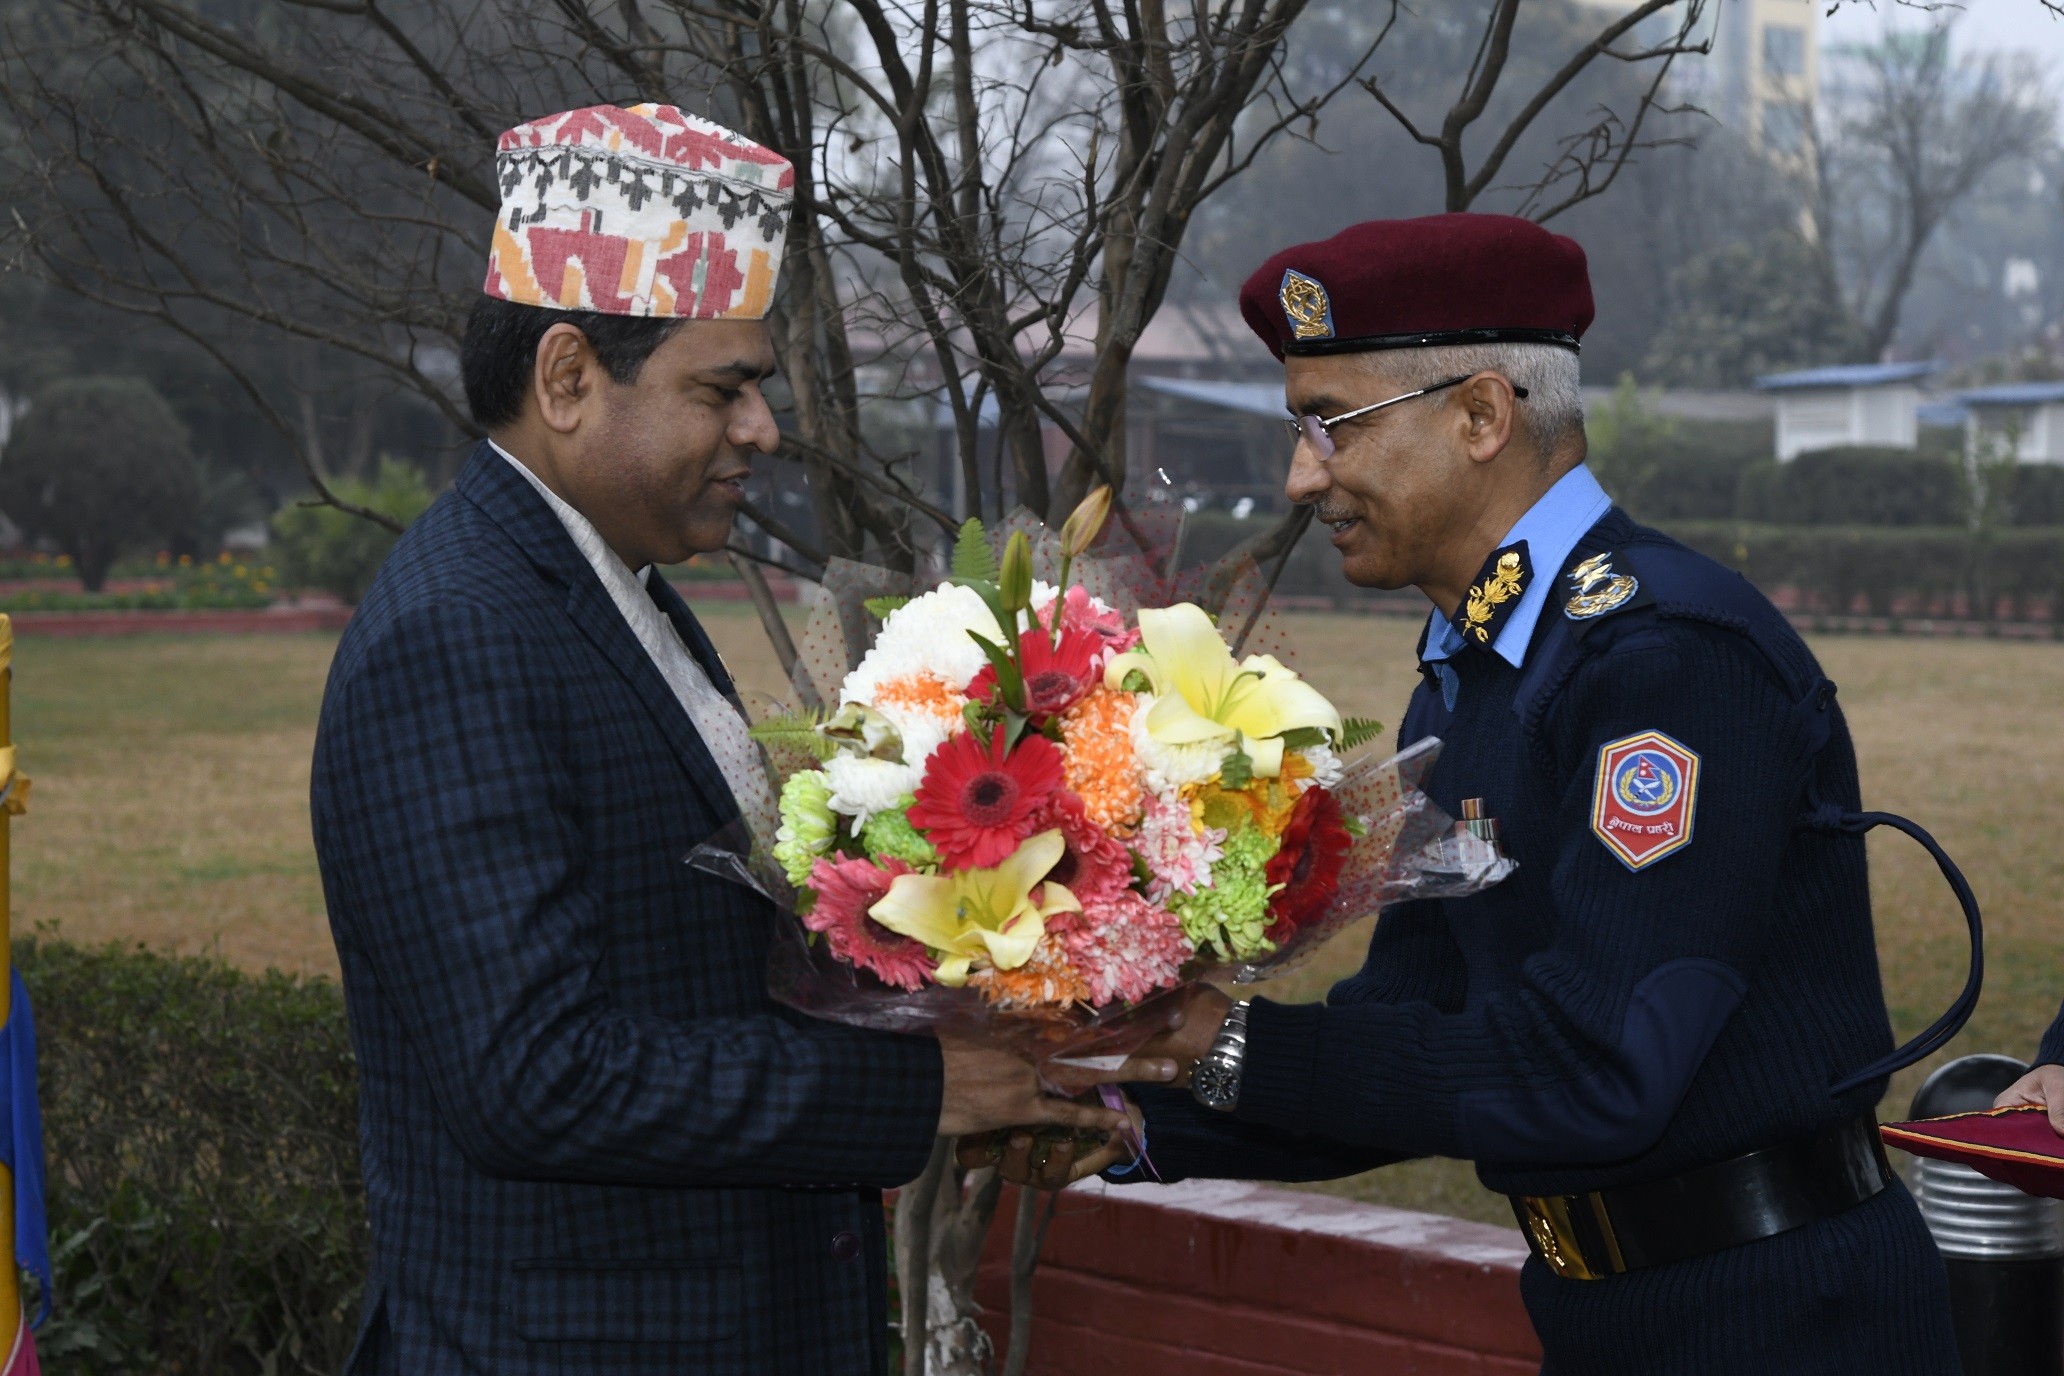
pixel 1663 1036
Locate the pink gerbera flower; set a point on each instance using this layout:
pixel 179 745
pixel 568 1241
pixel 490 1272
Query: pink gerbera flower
pixel 1079 611
pixel 846 889
pixel 1056 676
pixel 1095 865
pixel 976 801
pixel 1123 947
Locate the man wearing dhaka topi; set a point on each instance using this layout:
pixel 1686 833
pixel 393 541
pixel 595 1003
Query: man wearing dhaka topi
pixel 1664 1035
pixel 592 1143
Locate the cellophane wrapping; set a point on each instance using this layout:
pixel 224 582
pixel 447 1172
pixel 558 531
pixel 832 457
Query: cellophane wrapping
pixel 1374 840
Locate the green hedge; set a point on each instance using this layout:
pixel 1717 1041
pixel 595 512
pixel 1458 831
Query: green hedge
pixel 207 1217
pixel 1833 568
pixel 2035 494
pixel 1857 486
pixel 1945 570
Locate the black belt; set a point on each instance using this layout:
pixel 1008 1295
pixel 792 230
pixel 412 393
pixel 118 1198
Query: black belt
pixel 1756 1195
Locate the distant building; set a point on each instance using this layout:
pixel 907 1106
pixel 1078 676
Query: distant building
pixel 1763 78
pixel 1865 403
pixel 2030 413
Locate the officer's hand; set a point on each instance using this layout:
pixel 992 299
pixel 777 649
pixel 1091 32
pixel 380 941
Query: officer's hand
pixel 2043 1085
pixel 1191 1030
pixel 1046 1160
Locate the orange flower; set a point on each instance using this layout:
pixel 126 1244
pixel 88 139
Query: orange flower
pixel 1101 769
pixel 1268 801
pixel 1047 980
pixel 923 692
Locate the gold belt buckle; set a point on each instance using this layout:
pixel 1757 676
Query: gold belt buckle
pixel 1556 1224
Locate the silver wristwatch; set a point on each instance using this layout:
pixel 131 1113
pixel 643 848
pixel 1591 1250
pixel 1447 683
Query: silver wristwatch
pixel 1215 1082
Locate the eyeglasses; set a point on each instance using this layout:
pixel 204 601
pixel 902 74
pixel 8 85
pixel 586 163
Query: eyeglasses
pixel 1318 432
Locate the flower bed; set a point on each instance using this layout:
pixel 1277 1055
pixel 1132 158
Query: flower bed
pixel 224 584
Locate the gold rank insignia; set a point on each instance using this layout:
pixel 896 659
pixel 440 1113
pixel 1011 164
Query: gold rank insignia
pixel 1306 306
pixel 1494 595
pixel 1595 589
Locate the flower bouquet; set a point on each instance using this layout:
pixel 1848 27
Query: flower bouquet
pixel 1033 811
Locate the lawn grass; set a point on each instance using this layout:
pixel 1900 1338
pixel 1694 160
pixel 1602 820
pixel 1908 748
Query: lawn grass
pixel 172 779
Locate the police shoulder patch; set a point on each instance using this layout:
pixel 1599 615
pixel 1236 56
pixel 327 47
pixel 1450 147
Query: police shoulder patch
pixel 1643 802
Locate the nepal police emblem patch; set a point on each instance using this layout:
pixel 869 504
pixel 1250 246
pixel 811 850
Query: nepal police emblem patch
pixel 1642 803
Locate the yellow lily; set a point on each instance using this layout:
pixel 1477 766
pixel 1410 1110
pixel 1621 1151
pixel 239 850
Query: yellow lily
pixel 999 913
pixel 1202 695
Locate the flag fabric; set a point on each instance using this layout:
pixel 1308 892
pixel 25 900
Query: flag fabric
pixel 21 1361
pixel 2015 1146
pixel 21 1144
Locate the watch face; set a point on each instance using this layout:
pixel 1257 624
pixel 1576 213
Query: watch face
pixel 1215 1085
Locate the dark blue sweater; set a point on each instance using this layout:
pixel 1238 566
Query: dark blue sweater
pixel 2051 1052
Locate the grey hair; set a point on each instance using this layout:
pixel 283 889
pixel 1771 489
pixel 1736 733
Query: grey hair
pixel 1552 415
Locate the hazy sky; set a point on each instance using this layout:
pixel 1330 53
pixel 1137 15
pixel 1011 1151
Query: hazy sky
pixel 2022 25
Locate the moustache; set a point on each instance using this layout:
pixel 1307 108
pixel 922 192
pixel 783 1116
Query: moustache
pixel 1329 514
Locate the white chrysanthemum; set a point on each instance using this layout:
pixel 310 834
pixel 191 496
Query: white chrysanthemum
pixel 1326 766
pixel 1169 767
pixel 862 786
pixel 922 732
pixel 928 634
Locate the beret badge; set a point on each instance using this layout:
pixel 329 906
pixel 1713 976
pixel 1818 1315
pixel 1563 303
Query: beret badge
pixel 1306 306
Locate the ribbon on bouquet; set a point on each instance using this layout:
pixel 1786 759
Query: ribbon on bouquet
pixel 1115 1101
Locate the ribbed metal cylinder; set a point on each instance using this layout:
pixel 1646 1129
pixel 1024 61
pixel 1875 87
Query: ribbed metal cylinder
pixel 1977 1219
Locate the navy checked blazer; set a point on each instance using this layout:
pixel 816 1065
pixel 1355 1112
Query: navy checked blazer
pixel 592 1143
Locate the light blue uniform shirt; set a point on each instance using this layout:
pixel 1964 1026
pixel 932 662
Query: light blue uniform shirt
pixel 1551 528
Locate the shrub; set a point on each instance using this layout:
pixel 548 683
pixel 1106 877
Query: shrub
pixel 323 547
pixel 100 466
pixel 1936 570
pixel 206 1212
pixel 1666 468
pixel 2035 494
pixel 1855 486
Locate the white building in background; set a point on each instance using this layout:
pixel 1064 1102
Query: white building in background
pixel 1865 403
pixel 2030 413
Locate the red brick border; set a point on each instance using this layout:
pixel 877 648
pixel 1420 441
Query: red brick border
pixel 1221 1278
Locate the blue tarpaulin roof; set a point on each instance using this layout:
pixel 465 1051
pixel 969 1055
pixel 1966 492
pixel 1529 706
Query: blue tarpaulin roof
pixel 1251 398
pixel 1846 375
pixel 2014 394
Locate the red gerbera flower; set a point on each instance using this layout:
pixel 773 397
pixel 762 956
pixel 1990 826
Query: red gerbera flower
pixel 1095 865
pixel 1056 676
pixel 976 802
pixel 1308 863
pixel 846 889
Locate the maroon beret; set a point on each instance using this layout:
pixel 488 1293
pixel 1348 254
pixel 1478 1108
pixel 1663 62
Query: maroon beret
pixel 1407 284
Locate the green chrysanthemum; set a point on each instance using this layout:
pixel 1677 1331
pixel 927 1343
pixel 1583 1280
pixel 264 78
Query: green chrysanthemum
pixel 890 834
pixel 1231 916
pixel 808 827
